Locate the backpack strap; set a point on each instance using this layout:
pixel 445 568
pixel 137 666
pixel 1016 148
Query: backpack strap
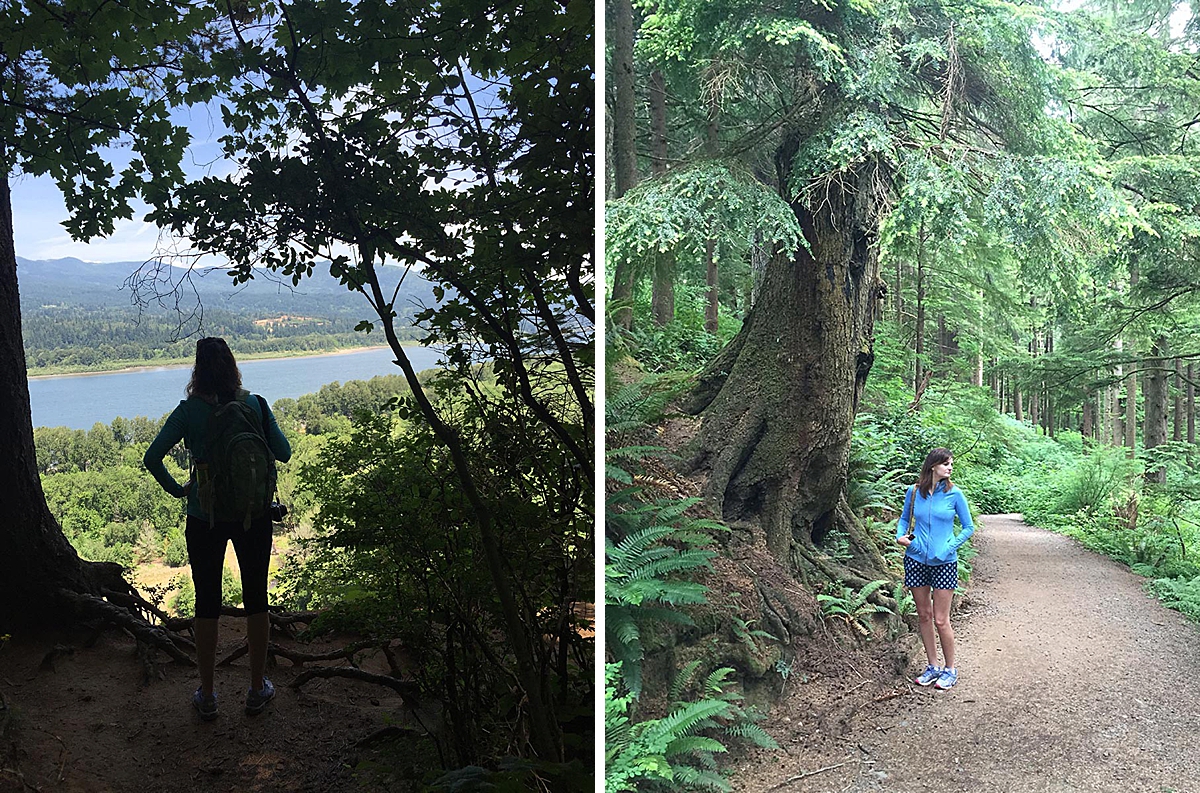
pixel 912 498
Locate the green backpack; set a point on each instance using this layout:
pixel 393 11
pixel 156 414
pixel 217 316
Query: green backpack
pixel 236 479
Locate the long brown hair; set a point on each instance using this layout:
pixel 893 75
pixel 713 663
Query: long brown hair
pixel 215 375
pixel 935 457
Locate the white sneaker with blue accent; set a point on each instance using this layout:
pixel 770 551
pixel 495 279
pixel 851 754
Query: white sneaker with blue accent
pixel 930 674
pixel 947 679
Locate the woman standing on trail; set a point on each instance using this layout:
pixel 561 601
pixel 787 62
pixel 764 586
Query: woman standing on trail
pixel 926 529
pixel 210 413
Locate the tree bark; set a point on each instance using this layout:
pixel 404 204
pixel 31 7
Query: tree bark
pixel 1018 412
pixel 778 403
pixel 1087 415
pixel 662 300
pixel 625 175
pixel 920 328
pixel 38 562
pixel 711 307
pixel 1155 433
pixel 1177 404
pixel 1191 404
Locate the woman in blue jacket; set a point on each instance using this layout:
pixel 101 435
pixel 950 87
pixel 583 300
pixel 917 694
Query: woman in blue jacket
pixel 217 380
pixel 926 529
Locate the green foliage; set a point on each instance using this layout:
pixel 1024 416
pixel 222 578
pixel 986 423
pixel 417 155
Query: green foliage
pixel 670 753
pixel 681 211
pixel 854 608
pixel 650 550
pixel 183 603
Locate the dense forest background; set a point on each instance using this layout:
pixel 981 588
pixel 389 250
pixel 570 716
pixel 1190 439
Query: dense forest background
pixel 838 238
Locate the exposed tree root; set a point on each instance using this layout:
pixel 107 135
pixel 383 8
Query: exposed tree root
pixel 406 689
pixel 91 605
pixel 299 659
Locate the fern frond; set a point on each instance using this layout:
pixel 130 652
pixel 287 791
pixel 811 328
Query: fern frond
pixel 683 679
pixel 687 776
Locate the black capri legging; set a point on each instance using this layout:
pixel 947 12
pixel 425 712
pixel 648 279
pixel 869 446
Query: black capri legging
pixel 206 552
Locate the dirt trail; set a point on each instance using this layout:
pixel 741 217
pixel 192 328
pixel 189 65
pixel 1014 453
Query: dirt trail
pixel 88 723
pixel 1072 678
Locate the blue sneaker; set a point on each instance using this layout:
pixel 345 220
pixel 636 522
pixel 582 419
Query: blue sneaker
pixel 947 679
pixel 205 706
pixel 256 701
pixel 930 674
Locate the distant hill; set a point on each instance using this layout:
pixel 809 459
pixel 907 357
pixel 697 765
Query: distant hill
pixel 89 285
pixel 81 316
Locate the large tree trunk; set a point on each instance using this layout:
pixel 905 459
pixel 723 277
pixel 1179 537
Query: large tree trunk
pixel 624 145
pixel 919 371
pixel 662 301
pixel 39 564
pixel 1155 433
pixel 1191 403
pixel 1087 415
pixel 1177 403
pixel 779 402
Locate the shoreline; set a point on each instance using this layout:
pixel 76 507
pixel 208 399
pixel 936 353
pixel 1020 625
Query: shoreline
pixel 183 364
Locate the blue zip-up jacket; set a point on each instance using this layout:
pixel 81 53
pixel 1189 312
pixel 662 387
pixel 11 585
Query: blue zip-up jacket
pixel 934 542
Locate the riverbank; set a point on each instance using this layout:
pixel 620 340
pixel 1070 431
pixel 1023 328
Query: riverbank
pixel 124 367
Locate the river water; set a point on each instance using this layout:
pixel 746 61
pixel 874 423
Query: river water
pixel 79 401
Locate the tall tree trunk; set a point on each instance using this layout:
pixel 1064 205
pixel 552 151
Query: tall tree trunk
pixel 1115 396
pixel 778 403
pixel 625 174
pixel 711 251
pixel 1177 404
pixel 1018 412
pixel 1191 404
pixel 38 561
pixel 662 301
pixel 1155 433
pixel 711 312
pixel 919 370
pixel 1131 415
pixel 759 257
pixel 1131 387
pixel 1087 415
pixel 943 343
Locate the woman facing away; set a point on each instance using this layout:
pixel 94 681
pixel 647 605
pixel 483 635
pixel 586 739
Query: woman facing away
pixel 215 382
pixel 926 529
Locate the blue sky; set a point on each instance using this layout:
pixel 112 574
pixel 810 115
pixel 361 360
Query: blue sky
pixel 38 209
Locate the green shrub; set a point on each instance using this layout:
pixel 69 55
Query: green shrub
pixel 176 554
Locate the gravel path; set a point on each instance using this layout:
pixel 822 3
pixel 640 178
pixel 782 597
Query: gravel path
pixel 1072 678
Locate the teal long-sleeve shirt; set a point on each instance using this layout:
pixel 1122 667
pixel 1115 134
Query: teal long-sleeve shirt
pixel 934 542
pixel 188 423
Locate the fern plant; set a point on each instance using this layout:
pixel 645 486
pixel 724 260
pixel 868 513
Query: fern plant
pixel 641 752
pixel 671 753
pixel 853 608
pixel 646 574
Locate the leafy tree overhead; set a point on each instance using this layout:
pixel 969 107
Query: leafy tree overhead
pixel 461 148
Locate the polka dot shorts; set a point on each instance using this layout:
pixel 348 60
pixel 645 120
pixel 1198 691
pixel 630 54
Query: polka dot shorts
pixel 942 576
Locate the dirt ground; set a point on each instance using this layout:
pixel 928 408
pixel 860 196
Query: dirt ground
pixel 88 723
pixel 1071 678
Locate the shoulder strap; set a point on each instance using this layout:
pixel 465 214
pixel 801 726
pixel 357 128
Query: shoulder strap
pixel 912 497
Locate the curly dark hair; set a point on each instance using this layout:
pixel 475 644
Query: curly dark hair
pixel 215 375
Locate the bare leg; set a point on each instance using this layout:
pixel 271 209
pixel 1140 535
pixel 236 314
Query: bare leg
pixel 206 651
pixel 258 630
pixel 941 618
pixel 925 616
